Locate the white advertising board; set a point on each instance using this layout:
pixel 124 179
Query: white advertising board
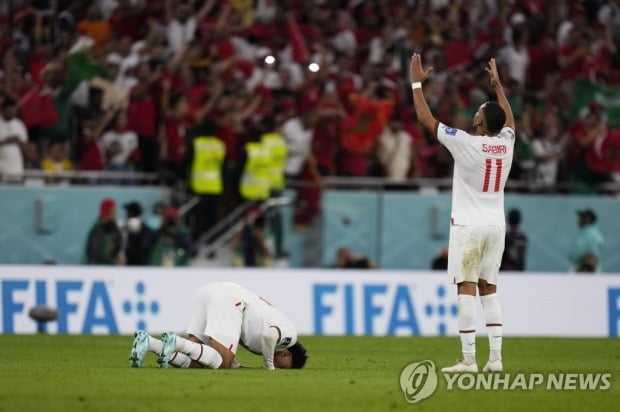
pixel 110 300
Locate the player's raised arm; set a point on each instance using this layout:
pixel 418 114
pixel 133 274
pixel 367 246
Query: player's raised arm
pixel 499 91
pixel 417 75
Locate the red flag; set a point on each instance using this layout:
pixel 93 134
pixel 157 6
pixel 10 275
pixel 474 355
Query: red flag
pixel 365 124
pixel 300 49
pixel 605 158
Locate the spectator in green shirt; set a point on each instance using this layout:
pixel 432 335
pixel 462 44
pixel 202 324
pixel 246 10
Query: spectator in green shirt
pixel 104 245
pixel 586 251
pixel 172 242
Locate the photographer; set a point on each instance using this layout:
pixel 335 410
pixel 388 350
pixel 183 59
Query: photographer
pixel 171 244
pixel 346 259
pixel 138 236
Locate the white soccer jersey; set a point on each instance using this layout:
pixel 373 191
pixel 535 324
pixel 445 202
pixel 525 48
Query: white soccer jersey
pixel 258 316
pixel 231 314
pixel 481 168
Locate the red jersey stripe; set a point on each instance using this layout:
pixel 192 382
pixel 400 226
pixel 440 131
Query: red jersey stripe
pixel 487 175
pixel 498 174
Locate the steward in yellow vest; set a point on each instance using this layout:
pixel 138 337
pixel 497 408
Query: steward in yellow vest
pixel 255 182
pixel 276 146
pixel 206 171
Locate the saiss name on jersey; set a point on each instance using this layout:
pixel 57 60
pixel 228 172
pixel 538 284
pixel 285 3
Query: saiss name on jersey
pixel 481 168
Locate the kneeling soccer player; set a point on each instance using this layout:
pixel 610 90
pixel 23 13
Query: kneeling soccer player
pixel 225 315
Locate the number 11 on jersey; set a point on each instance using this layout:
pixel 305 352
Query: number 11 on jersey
pixel 487 175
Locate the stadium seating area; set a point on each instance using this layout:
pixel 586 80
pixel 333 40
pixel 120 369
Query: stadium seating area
pixel 121 84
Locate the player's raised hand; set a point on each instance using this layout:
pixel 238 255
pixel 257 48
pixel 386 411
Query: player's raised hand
pixel 493 74
pixel 416 72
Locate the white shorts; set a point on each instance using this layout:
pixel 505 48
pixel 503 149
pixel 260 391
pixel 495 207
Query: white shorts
pixel 475 252
pixel 217 313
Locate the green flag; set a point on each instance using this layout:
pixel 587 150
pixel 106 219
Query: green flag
pixel 585 93
pixel 80 67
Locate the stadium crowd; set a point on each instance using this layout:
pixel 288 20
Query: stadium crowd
pixel 123 83
pixel 127 84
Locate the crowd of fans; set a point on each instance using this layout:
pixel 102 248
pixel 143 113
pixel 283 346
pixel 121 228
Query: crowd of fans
pixel 122 84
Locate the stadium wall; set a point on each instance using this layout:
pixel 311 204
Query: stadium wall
pixel 50 224
pixel 397 230
pixel 103 300
pixel 405 230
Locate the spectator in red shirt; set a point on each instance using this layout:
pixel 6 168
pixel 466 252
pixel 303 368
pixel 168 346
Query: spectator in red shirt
pixel 173 145
pixel 92 154
pixel 142 111
pixel 543 59
pixel 587 136
pixel 326 133
pixel 458 54
pixel 572 56
pixel 127 21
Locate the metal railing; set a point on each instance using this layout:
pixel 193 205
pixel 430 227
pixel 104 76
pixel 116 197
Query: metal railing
pixel 89 177
pixel 77 177
pixel 223 225
pixel 186 207
pixel 445 183
pixel 226 229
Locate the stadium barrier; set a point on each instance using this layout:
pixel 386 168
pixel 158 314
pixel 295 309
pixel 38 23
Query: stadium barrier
pixel 109 300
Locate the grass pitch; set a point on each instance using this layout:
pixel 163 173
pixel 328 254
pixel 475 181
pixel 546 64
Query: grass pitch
pixel 92 373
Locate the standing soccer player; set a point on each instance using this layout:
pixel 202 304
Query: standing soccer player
pixel 477 227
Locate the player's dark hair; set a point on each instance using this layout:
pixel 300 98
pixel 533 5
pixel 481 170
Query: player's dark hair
pixel 494 117
pixel 299 355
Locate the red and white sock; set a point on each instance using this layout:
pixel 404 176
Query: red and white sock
pixel 467 327
pixel 493 318
pixel 203 354
pixel 180 360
